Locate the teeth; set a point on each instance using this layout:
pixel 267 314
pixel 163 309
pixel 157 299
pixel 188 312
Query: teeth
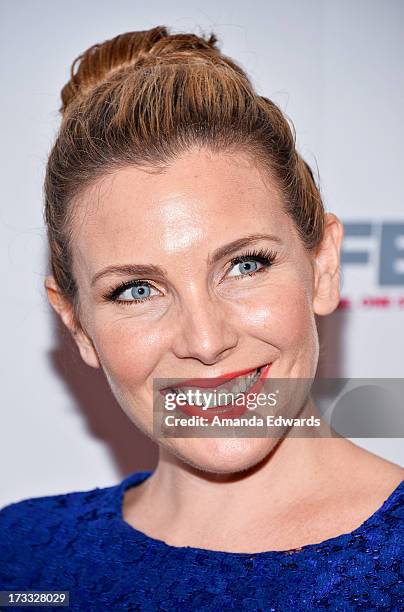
pixel 245 383
pixel 222 401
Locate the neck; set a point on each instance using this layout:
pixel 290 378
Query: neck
pixel 184 498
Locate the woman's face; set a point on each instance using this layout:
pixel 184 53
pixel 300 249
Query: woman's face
pixel 200 314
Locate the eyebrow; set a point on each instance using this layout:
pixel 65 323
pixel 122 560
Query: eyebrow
pixel 144 270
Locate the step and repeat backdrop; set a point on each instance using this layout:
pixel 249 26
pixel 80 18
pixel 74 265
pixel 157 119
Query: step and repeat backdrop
pixel 335 68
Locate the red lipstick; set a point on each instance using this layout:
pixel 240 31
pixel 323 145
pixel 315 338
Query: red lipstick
pixel 221 411
pixel 212 381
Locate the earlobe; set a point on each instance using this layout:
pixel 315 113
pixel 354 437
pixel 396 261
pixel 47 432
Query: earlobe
pixel 64 309
pixel 86 348
pixel 326 293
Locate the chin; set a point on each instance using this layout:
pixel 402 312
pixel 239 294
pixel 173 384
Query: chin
pixel 222 455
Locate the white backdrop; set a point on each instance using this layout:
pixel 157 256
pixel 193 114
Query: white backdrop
pixel 335 68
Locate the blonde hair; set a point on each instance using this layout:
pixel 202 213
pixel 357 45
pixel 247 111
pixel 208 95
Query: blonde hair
pixel 143 98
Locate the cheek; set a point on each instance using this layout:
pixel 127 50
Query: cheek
pixel 281 315
pixel 293 316
pixel 129 354
pixel 284 319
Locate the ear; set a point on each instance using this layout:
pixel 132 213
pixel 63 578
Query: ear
pixel 327 271
pixel 64 309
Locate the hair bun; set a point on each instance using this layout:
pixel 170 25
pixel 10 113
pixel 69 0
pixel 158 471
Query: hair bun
pixel 131 48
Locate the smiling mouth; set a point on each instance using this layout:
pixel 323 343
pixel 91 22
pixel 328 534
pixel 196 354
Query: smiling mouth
pixel 220 393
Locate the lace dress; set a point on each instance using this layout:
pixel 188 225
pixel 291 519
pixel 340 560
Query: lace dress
pixel 79 542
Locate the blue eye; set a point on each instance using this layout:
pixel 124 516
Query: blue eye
pixel 138 292
pixel 134 292
pixel 252 263
pixel 246 267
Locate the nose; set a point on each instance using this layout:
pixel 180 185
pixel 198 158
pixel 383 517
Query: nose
pixel 204 331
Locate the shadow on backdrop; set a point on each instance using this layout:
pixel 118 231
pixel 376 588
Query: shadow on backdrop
pixel 89 391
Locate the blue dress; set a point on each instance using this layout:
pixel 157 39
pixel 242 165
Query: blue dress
pixel 79 542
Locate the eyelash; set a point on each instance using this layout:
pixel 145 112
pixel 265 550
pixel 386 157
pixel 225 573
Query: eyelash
pixel 266 257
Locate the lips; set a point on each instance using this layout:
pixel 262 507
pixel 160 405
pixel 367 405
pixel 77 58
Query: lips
pixel 228 411
pixel 211 382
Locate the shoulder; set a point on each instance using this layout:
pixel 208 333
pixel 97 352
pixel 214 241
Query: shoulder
pixel 34 530
pixel 376 482
pixel 375 504
pixel 49 509
pixel 63 511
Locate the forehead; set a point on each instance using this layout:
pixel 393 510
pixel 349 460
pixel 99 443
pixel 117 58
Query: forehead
pixel 199 197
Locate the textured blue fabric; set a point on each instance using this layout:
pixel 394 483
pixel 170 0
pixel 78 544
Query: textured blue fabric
pixel 79 542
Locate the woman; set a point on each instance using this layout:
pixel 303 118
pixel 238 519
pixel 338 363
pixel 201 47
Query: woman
pixel 188 240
